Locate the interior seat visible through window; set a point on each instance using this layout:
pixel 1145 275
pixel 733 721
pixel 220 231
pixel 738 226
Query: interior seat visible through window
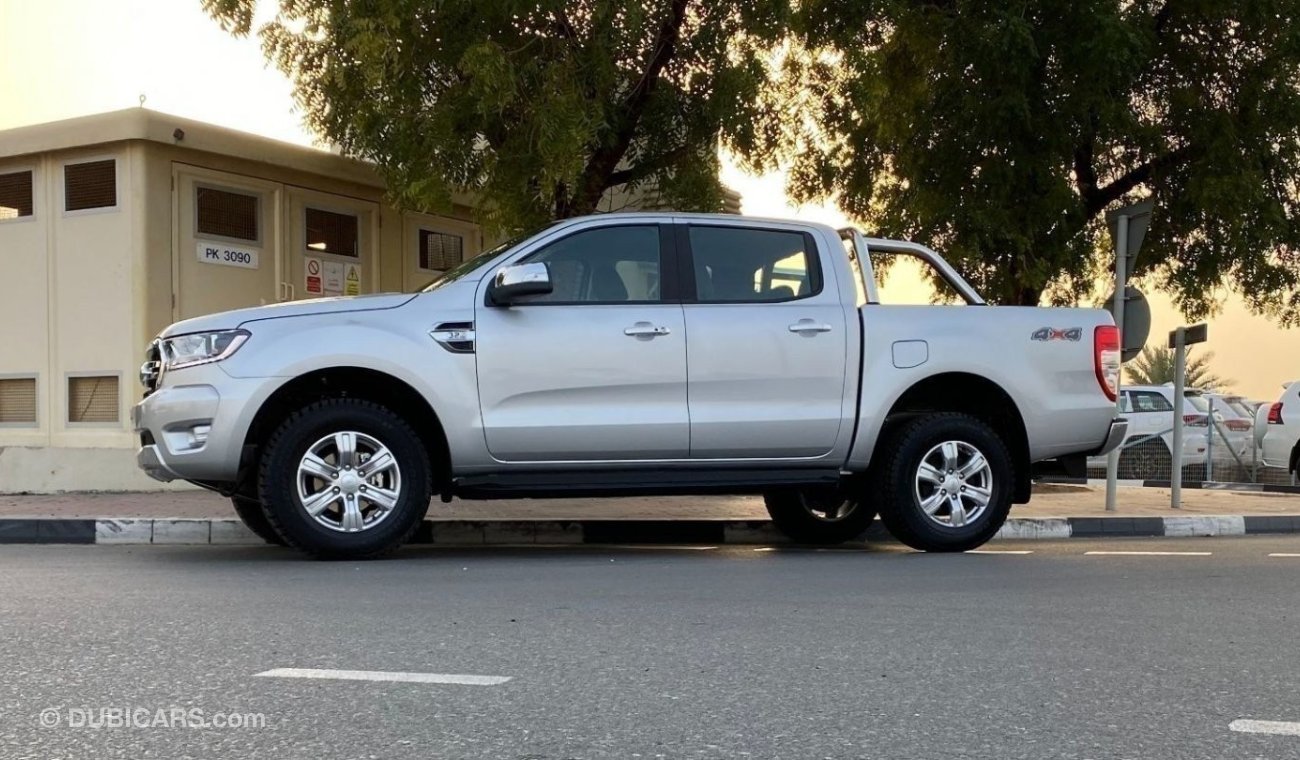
pixel 738 265
pixel 603 265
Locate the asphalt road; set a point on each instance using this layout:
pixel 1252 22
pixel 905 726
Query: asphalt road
pixel 655 652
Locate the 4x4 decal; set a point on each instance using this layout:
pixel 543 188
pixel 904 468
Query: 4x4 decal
pixel 1074 334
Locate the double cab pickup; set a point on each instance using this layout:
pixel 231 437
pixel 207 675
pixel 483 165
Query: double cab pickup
pixel 640 354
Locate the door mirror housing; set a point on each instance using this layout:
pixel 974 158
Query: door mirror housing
pixel 516 281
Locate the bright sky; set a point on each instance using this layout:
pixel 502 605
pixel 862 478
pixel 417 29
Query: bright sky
pixel 90 56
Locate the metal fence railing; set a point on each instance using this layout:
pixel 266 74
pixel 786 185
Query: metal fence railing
pixel 1227 458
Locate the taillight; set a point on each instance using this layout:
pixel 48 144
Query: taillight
pixel 1105 359
pixel 1196 420
pixel 1275 413
pixel 1238 425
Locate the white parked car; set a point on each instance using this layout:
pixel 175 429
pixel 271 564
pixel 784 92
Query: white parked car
pixel 1149 446
pixel 1234 427
pixel 1244 407
pixel 1281 430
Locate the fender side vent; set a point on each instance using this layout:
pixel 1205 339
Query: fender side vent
pixel 456 337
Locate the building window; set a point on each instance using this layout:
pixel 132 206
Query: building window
pixel 15 195
pixel 18 401
pixel 90 185
pixel 440 251
pixel 222 213
pixel 92 399
pixel 330 232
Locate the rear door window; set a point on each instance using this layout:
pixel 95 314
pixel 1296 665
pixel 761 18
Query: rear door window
pixel 743 265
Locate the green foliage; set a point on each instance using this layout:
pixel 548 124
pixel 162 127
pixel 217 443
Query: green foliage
pixel 1155 366
pixel 1000 133
pixel 537 108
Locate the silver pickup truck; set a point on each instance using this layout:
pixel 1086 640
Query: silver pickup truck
pixel 632 354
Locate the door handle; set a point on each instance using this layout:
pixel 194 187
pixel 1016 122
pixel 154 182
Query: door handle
pixel 809 326
pixel 644 329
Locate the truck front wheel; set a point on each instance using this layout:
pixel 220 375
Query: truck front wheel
pixel 250 512
pixel 345 479
pixel 947 482
pixel 818 515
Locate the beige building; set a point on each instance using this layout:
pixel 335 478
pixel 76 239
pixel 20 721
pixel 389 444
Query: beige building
pixel 113 226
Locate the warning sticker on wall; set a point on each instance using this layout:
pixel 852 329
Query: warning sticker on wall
pixel 352 281
pixel 333 278
pixel 315 285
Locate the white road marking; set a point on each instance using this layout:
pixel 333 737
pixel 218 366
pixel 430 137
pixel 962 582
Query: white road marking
pixel 1265 727
pixel 1284 554
pixel 654 547
pixel 382 675
pixel 999 551
pixel 813 549
pixel 1152 554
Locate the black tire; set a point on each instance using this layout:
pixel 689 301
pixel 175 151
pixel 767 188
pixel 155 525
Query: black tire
pixel 314 424
pixel 902 491
pixel 250 512
pixel 819 516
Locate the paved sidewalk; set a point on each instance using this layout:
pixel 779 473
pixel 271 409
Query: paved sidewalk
pixel 1049 501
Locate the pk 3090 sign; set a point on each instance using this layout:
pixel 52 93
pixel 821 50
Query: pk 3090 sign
pixel 224 255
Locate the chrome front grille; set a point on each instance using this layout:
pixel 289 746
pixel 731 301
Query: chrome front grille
pixel 152 368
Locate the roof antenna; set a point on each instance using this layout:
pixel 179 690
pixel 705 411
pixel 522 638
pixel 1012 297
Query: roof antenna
pixel 142 100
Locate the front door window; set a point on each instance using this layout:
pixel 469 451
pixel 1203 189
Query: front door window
pixel 605 265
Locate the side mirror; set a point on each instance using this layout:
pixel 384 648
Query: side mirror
pixel 510 283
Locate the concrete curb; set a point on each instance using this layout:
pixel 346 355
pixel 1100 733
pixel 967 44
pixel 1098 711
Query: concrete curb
pixel 1193 485
pixel 523 532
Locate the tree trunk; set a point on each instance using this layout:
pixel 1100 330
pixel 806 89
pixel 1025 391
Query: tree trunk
pixel 1028 295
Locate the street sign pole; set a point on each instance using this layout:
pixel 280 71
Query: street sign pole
pixel 1121 256
pixel 1180 370
pixel 1179 340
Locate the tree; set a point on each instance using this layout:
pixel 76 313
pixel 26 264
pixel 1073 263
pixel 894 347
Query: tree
pixel 1001 132
pixel 536 107
pixel 1155 366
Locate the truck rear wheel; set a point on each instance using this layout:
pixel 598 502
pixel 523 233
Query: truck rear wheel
pixel 818 516
pixel 345 479
pixel 947 483
pixel 250 512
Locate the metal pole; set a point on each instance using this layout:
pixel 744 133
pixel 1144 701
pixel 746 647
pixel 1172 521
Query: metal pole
pixel 1209 443
pixel 1117 308
pixel 1254 453
pixel 1176 476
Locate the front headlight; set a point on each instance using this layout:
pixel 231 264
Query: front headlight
pixel 180 351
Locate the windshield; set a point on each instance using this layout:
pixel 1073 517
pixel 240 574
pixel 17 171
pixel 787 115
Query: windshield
pixel 1242 408
pixel 480 261
pixel 1202 405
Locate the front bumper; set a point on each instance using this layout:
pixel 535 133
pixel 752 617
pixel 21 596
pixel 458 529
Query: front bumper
pixel 149 460
pixel 196 430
